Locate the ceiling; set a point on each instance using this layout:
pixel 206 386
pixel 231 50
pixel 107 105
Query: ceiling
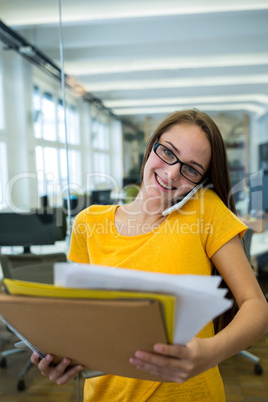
pixel 147 58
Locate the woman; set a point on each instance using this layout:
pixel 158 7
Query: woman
pixel 203 235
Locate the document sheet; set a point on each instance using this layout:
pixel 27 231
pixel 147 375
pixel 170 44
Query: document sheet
pixel 198 298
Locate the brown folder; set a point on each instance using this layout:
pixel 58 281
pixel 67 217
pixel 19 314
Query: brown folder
pixel 100 334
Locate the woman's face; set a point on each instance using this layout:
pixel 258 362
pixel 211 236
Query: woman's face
pixel 164 182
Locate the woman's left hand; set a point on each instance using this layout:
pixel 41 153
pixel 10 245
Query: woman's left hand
pixel 176 363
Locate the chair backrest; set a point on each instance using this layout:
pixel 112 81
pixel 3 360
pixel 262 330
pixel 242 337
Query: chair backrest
pixel 247 243
pixel 30 267
pixel 41 273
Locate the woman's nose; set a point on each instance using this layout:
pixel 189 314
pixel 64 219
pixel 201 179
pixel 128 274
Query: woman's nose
pixel 173 171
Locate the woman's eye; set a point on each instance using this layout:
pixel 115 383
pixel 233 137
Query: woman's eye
pixel 191 171
pixel 168 153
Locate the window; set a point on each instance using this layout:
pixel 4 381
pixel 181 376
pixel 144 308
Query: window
pixel 101 151
pixel 3 148
pixel 1 101
pixel 100 136
pixel 47 170
pixel 49 131
pixel 73 125
pixel 74 167
pixel 48 117
pixel 61 125
pixel 44 115
pixel 3 174
pixel 37 113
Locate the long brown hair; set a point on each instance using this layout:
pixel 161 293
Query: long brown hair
pixel 218 173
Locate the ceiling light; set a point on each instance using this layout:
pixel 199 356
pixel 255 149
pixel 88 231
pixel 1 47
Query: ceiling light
pixel 119 103
pixel 96 11
pixel 27 50
pixel 91 68
pixel 209 107
pixel 177 83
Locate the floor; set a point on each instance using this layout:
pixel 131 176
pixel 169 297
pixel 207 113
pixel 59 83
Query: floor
pixel 241 383
pixel 37 387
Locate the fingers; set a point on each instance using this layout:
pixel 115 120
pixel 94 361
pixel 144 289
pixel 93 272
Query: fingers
pixel 35 359
pixel 173 356
pixel 154 359
pixel 159 368
pixel 171 362
pixel 60 373
pixel 70 373
pixel 53 372
pixel 175 362
pixel 177 351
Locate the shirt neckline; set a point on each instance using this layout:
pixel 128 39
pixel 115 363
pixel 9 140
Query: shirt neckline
pixel 147 234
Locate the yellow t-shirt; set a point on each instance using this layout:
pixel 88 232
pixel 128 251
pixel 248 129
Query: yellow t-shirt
pixel 182 244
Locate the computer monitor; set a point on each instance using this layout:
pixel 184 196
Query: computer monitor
pixel 130 180
pixel 258 191
pixel 263 156
pixel 27 229
pixel 265 190
pixel 101 197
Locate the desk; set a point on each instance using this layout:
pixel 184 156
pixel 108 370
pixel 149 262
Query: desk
pixel 259 244
pixel 259 224
pixel 59 247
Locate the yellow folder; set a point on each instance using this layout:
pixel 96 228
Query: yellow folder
pixel 24 288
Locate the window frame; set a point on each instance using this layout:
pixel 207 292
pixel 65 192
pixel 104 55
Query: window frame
pixel 58 144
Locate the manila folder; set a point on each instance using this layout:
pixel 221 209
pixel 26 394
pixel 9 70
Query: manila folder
pixel 100 334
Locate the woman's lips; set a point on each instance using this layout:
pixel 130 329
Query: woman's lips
pixel 162 184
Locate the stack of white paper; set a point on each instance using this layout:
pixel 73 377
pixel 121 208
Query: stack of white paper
pixel 198 299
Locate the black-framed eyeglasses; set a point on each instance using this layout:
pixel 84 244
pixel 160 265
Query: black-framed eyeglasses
pixel 167 156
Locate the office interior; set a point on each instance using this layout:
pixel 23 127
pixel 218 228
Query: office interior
pixel 83 85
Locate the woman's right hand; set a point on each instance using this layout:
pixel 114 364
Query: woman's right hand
pixel 61 373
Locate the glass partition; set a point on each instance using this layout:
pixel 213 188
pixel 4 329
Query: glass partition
pixel 58 145
pixel 33 156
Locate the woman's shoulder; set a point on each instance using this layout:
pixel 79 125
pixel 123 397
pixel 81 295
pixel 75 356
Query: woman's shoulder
pixel 206 203
pixel 210 195
pixel 205 198
pixel 95 211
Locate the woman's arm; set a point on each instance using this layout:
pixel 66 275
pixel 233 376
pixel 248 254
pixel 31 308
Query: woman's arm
pixel 179 363
pixel 251 320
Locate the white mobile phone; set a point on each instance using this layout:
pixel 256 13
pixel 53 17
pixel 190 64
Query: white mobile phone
pixel 179 204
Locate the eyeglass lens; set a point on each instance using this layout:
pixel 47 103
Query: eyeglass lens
pixel 187 171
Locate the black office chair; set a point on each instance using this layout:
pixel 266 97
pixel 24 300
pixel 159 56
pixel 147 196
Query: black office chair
pixel 33 268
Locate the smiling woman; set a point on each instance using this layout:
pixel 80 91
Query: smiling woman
pixel 204 233
pixel 125 62
pixel 168 172
pixel 185 170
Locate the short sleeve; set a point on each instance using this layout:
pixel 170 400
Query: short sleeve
pixel 78 246
pixel 224 224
